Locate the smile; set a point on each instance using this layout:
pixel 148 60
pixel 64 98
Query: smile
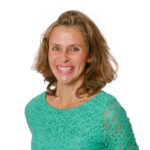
pixel 65 70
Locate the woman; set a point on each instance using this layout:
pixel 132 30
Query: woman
pixel 75 113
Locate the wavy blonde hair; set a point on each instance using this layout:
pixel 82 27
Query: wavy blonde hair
pixel 103 66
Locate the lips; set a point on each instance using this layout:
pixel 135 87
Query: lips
pixel 64 69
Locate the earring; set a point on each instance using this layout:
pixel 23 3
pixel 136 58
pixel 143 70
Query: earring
pixel 52 87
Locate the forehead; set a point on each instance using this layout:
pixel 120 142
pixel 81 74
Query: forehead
pixel 66 33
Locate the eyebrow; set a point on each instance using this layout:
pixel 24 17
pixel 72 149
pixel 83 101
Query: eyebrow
pixel 55 44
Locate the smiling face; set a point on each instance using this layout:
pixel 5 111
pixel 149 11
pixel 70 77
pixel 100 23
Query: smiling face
pixel 68 55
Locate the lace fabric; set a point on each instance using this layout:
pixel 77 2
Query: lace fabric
pixel 100 123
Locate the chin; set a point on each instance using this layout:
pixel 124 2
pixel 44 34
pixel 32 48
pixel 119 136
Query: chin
pixel 64 82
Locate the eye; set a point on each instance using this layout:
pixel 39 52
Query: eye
pixel 74 49
pixel 55 48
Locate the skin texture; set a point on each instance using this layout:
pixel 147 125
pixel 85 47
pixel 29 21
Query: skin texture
pixel 68 55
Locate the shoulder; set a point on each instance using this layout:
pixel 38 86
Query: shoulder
pixel 35 102
pixel 112 107
pixel 107 99
pixel 109 103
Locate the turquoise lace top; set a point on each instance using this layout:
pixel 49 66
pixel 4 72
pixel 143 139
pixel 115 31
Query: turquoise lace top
pixel 98 124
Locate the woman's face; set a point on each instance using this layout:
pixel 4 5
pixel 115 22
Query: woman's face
pixel 68 54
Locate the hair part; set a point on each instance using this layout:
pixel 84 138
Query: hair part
pixel 102 68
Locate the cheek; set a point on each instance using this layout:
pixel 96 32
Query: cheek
pixel 51 57
pixel 80 59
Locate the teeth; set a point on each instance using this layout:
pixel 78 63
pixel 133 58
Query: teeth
pixel 62 69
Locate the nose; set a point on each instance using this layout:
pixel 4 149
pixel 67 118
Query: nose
pixel 64 56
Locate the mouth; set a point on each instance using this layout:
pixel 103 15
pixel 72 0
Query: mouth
pixel 65 69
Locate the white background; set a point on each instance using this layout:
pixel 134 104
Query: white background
pixel 124 23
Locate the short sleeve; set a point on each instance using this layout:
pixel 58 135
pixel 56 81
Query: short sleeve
pixel 117 130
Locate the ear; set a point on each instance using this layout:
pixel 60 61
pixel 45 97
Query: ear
pixel 89 60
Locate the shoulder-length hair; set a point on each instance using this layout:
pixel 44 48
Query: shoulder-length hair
pixel 102 68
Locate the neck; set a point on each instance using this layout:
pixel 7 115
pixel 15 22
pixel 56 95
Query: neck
pixel 67 93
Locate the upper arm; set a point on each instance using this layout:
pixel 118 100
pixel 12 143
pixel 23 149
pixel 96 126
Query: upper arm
pixel 117 130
